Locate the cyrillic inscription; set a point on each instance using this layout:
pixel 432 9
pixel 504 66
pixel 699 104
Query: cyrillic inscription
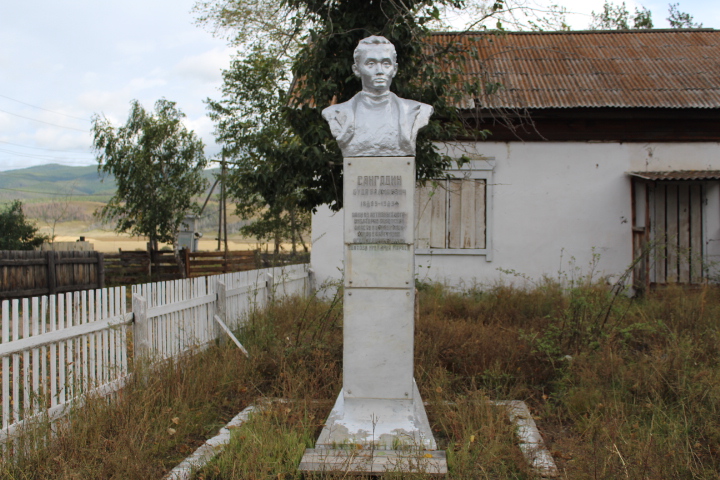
pixel 379 227
pixel 379 207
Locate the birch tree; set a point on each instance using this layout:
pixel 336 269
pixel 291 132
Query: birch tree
pixel 157 164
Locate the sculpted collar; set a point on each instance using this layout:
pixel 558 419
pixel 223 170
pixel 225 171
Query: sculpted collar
pixel 372 98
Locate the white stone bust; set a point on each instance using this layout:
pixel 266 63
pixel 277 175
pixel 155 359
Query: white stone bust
pixel 376 122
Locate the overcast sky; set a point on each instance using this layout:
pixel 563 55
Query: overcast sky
pixel 62 62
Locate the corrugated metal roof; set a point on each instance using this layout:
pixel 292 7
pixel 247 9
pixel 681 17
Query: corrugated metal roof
pixel 627 69
pixel 678 175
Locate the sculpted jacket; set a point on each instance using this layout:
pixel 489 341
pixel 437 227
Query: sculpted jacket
pixel 377 125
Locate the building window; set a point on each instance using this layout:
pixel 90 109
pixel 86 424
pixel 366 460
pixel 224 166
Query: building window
pixel 453 214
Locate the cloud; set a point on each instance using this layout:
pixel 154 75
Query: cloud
pixel 90 78
pixel 205 67
pixel 203 128
pixel 135 48
pixel 51 138
pixel 108 103
pixel 144 83
pixel 6 122
pixel 115 103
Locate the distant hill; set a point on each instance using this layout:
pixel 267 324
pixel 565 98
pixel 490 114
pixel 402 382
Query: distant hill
pixel 45 182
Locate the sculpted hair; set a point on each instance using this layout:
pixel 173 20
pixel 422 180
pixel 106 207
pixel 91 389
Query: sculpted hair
pixel 370 42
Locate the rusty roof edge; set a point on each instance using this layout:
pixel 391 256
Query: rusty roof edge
pixel 686 175
pixel 572 32
pixel 485 107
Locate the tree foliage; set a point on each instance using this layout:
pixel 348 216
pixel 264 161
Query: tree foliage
pixel 680 19
pixel 301 160
pixel 643 18
pixel 17 232
pixel 250 124
pixel 324 69
pixel 287 148
pixel 157 164
pixel 617 17
pixel 552 19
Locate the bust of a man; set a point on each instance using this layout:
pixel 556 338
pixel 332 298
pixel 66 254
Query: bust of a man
pixel 376 122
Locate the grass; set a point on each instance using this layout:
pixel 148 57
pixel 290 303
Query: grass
pixel 619 387
pixel 159 418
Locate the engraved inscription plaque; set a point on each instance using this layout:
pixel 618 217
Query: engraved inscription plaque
pixel 379 200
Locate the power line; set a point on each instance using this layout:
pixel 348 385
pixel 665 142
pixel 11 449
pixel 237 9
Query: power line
pixel 47 123
pixel 41 108
pixel 30 155
pixel 41 148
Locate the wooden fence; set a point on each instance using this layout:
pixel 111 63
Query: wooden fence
pixel 127 267
pixel 30 273
pixel 142 266
pixel 139 266
pixel 55 350
pixel 208 263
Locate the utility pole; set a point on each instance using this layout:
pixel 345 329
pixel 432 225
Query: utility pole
pixel 224 200
pixel 220 215
pixel 221 201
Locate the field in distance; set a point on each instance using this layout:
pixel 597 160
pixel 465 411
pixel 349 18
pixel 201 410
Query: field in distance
pixel 67 222
pixel 62 200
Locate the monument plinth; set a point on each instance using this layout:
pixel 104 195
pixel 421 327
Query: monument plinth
pixel 379 405
pixel 379 409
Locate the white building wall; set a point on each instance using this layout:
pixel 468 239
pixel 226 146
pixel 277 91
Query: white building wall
pixel 555 206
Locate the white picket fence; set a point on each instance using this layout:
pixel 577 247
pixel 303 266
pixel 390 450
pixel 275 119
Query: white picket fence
pixel 57 349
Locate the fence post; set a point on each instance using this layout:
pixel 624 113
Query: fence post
pixel 221 311
pixel 141 333
pixel 150 263
pixel 101 269
pixel 51 274
pixel 186 253
pixel 311 282
pixel 269 288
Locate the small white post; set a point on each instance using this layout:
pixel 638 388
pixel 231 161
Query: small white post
pixel 311 280
pixel 269 288
pixel 221 310
pixel 141 328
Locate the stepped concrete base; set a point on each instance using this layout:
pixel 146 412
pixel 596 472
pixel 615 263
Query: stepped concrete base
pixel 377 462
pixel 379 424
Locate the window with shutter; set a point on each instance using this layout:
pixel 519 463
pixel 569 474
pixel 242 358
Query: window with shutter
pixel 452 214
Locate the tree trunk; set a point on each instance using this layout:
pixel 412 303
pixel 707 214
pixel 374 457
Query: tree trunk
pixel 293 233
pixel 302 242
pixel 179 258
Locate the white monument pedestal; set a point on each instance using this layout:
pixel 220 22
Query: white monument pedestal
pixel 379 408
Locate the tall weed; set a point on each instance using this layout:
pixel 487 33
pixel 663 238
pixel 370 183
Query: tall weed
pixel 619 387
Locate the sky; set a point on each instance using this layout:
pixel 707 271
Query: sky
pixel 63 62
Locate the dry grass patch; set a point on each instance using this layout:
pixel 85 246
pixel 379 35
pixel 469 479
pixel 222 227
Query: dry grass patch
pixel 620 388
pixel 160 417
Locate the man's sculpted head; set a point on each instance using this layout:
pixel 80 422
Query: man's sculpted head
pixel 376 122
pixel 375 64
